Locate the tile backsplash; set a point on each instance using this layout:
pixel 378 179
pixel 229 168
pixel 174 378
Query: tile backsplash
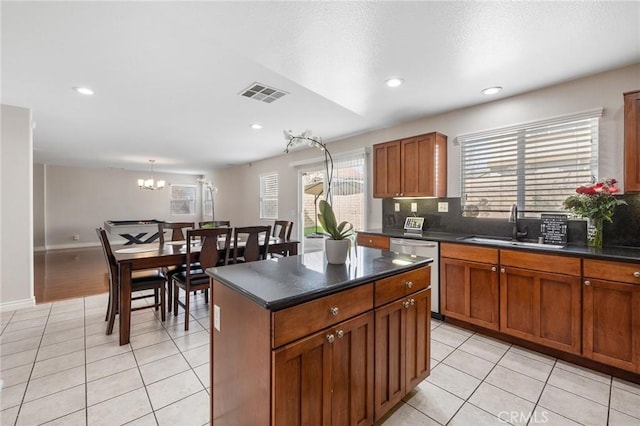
pixel 624 231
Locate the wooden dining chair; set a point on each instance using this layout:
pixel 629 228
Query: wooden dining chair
pixel 250 243
pixel 213 252
pixel 178 230
pixel 215 224
pixel 282 229
pixel 152 279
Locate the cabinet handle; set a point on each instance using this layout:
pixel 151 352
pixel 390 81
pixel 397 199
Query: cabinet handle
pixel 636 274
pixel 409 284
pixel 397 194
pixel 340 334
pixel 502 270
pixel 493 269
pixel 334 311
pixel 412 301
pixel 370 241
pixel 330 338
pixel 406 304
pixel 587 283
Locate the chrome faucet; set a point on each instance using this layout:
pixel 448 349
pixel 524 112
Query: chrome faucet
pixel 513 218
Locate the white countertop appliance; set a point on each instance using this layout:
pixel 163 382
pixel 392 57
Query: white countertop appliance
pixel 425 249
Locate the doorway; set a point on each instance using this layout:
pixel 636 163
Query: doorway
pixel 348 187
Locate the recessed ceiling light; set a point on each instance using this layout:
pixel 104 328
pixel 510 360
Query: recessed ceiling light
pixel 394 82
pixel 83 90
pixel 491 90
pixel 256 126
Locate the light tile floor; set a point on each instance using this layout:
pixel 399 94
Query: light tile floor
pixel 59 368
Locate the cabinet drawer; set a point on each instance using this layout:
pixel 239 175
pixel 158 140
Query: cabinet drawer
pixel 397 286
pixel 553 263
pixel 373 241
pixel 469 252
pixel 612 271
pixel 301 320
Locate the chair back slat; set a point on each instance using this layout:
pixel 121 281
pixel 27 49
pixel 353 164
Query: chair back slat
pixel 213 252
pixel 253 248
pixel 177 230
pixel 112 265
pixel 282 229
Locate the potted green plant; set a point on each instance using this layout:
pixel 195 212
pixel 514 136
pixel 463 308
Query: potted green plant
pixel 338 245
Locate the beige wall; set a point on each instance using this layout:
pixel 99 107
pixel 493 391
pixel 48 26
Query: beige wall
pixel 16 224
pixel 601 90
pixel 78 200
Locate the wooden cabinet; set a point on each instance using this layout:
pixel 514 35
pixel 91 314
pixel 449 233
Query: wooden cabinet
pixel 611 313
pixel 402 337
pixel 372 240
pixel 469 287
pixel 411 167
pixel 632 141
pixel 326 378
pixel 540 299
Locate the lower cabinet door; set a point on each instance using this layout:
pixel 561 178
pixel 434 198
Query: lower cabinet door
pixel 302 382
pixel 352 372
pixel 417 339
pixel 389 357
pixel 326 378
pixel 611 323
pixel 541 307
pixel 402 348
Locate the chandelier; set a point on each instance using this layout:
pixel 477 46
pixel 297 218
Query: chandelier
pixel 151 183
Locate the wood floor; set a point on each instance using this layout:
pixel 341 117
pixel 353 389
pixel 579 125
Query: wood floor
pixel 70 273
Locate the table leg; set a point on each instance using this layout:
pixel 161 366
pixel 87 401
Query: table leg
pixel 125 302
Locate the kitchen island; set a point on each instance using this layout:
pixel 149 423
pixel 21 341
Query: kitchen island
pixel 293 339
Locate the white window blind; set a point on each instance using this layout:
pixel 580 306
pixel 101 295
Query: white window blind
pixel 534 165
pixel 269 196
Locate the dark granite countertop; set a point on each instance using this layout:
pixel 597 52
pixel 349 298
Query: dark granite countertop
pixel 625 254
pixel 287 281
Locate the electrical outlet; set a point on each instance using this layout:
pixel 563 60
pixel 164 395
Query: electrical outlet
pixel 216 317
pixel 443 207
pixel 414 207
pixel 396 207
pixel 76 237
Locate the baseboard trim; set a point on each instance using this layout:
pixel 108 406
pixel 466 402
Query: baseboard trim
pixel 71 246
pixel 18 304
pixel 114 242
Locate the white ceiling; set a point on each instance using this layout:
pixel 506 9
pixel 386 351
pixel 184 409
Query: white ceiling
pixel 167 75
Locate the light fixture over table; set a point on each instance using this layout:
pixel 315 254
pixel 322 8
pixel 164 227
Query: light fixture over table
pixel 151 183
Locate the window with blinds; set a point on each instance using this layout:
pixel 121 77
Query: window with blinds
pixel 534 165
pixel 269 196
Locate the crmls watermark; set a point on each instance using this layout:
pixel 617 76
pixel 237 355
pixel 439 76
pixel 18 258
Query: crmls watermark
pixel 514 417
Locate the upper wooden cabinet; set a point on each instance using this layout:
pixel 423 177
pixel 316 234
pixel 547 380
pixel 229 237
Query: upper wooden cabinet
pixel 632 141
pixel 411 167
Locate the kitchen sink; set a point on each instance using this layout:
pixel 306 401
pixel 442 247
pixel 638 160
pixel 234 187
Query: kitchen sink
pixel 509 243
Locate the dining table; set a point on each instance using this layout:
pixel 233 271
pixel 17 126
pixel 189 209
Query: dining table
pixel 171 253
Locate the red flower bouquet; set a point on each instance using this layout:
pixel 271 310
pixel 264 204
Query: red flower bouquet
pixel 595 201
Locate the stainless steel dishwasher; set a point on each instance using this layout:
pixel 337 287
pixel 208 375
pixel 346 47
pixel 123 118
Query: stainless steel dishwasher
pixel 425 249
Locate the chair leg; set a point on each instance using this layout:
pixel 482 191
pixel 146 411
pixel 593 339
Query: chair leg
pixel 163 303
pixel 155 298
pixel 170 291
pixel 176 294
pixel 206 295
pixel 186 308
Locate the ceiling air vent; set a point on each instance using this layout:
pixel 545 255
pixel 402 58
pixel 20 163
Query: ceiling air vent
pixel 262 92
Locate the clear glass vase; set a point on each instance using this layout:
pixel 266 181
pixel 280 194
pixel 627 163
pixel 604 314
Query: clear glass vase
pixel 594 232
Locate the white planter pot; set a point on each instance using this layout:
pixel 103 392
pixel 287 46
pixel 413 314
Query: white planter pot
pixel 336 251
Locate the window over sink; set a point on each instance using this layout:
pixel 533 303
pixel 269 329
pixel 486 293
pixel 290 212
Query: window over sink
pixel 535 165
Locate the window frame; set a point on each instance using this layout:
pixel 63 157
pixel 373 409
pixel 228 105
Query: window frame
pixel 520 153
pixel 264 197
